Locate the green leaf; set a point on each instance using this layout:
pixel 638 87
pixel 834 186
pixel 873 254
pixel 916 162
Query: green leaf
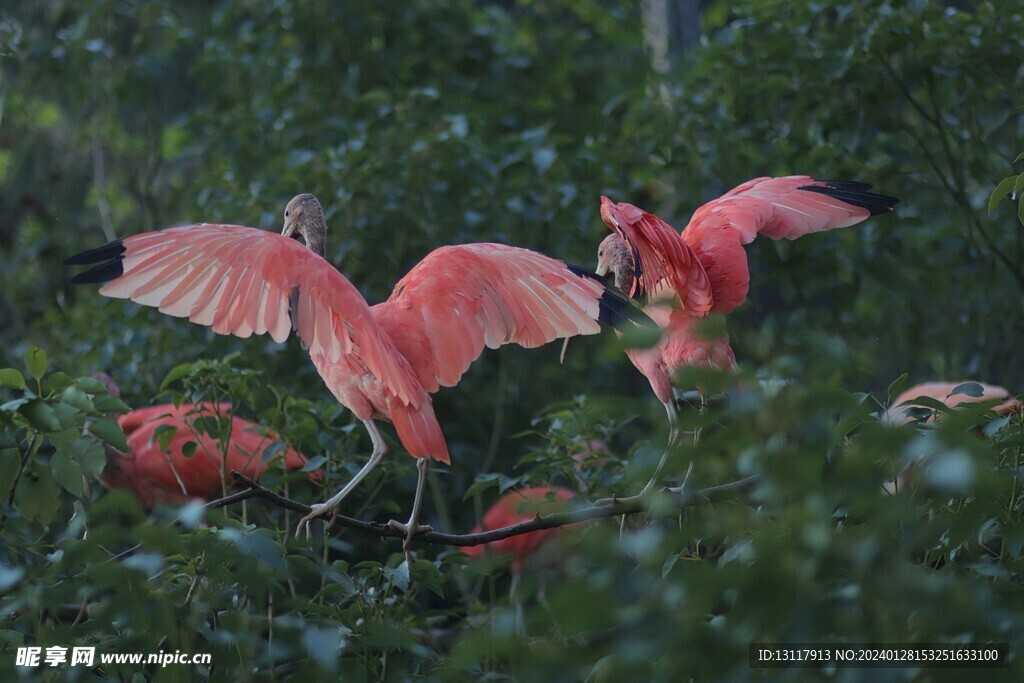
pixel 67 473
pixel 1019 157
pixel 41 415
pixel 896 388
pixel 1018 186
pixel 999 194
pixel 314 463
pixel 58 381
pixel 13 406
pixel 111 432
pixel 398 576
pixel 9 377
pixel 189 449
pixel 481 483
pixel 90 385
pixel 164 434
pixel 425 573
pixel 10 465
pixel 1020 209
pixel 89 455
pixel 108 404
pixel 271 451
pixel 74 396
pixel 35 361
pixel 176 373
pixel 968 389
pixel 36 496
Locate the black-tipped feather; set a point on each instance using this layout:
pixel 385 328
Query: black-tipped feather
pixel 855 193
pixel 615 308
pixel 109 257
pixel 104 272
pixel 108 252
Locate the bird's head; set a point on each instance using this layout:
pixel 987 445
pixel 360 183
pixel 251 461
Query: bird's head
pixel 304 217
pixel 613 258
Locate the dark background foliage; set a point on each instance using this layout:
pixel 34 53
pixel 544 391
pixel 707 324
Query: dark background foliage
pixel 424 123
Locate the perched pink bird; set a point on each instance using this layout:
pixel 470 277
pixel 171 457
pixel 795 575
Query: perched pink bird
pixel 901 412
pixel 901 409
pixel 515 507
pixel 703 270
pixel 384 361
pixel 168 475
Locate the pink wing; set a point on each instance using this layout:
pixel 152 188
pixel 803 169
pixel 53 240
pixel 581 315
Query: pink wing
pixel 788 207
pixel 661 260
pixel 244 281
pixel 460 299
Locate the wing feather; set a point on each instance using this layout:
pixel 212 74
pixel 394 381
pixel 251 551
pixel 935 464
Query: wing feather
pixel 241 281
pixel 460 299
pixel 778 208
pixel 662 261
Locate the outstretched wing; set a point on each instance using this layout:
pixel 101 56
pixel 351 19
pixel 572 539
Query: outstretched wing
pixel 460 299
pixel 660 259
pixel 787 207
pixel 244 281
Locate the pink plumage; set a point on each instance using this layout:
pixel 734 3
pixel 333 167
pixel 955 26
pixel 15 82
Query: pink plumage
pixel 382 362
pixel 703 270
pixel 899 412
pixel 156 474
pixel 516 507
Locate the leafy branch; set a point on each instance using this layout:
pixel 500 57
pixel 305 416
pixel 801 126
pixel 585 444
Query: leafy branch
pixel 684 499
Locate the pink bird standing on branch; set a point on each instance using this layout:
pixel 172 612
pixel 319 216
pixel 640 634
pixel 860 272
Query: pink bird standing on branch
pixel 382 362
pixel 703 270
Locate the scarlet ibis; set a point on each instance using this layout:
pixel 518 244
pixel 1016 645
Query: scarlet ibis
pixel 382 361
pixel 901 409
pixel 686 276
pixel 156 474
pixel 901 412
pixel 515 507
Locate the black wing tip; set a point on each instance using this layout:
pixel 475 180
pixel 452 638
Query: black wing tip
pixel 110 262
pixel 109 251
pixel 615 307
pixel 856 193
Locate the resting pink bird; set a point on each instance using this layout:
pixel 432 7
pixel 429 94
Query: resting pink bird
pixel 685 277
pixel 156 474
pixel 515 507
pixel 382 362
pixel 901 409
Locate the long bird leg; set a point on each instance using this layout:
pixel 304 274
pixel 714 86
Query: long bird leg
pixel 412 527
pixel 673 437
pixel 321 509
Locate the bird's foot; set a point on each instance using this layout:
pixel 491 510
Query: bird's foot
pixel 409 530
pixel 317 510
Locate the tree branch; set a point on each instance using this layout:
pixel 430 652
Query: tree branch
pixel 615 509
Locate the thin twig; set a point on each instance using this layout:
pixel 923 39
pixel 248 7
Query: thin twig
pixel 683 499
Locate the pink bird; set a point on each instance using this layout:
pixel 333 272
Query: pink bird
pixel 703 270
pixel 156 474
pixel 900 411
pixel 382 362
pixel 515 507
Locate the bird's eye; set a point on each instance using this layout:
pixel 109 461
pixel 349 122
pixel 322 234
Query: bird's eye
pixel 286 213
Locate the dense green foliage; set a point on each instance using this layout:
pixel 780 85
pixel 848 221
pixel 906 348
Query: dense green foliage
pixel 422 123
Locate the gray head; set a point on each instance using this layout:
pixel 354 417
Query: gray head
pixel 613 258
pixel 304 217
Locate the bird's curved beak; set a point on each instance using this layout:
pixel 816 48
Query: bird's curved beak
pixel 289 229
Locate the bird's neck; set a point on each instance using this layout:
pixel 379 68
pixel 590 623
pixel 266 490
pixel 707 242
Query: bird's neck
pixel 315 240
